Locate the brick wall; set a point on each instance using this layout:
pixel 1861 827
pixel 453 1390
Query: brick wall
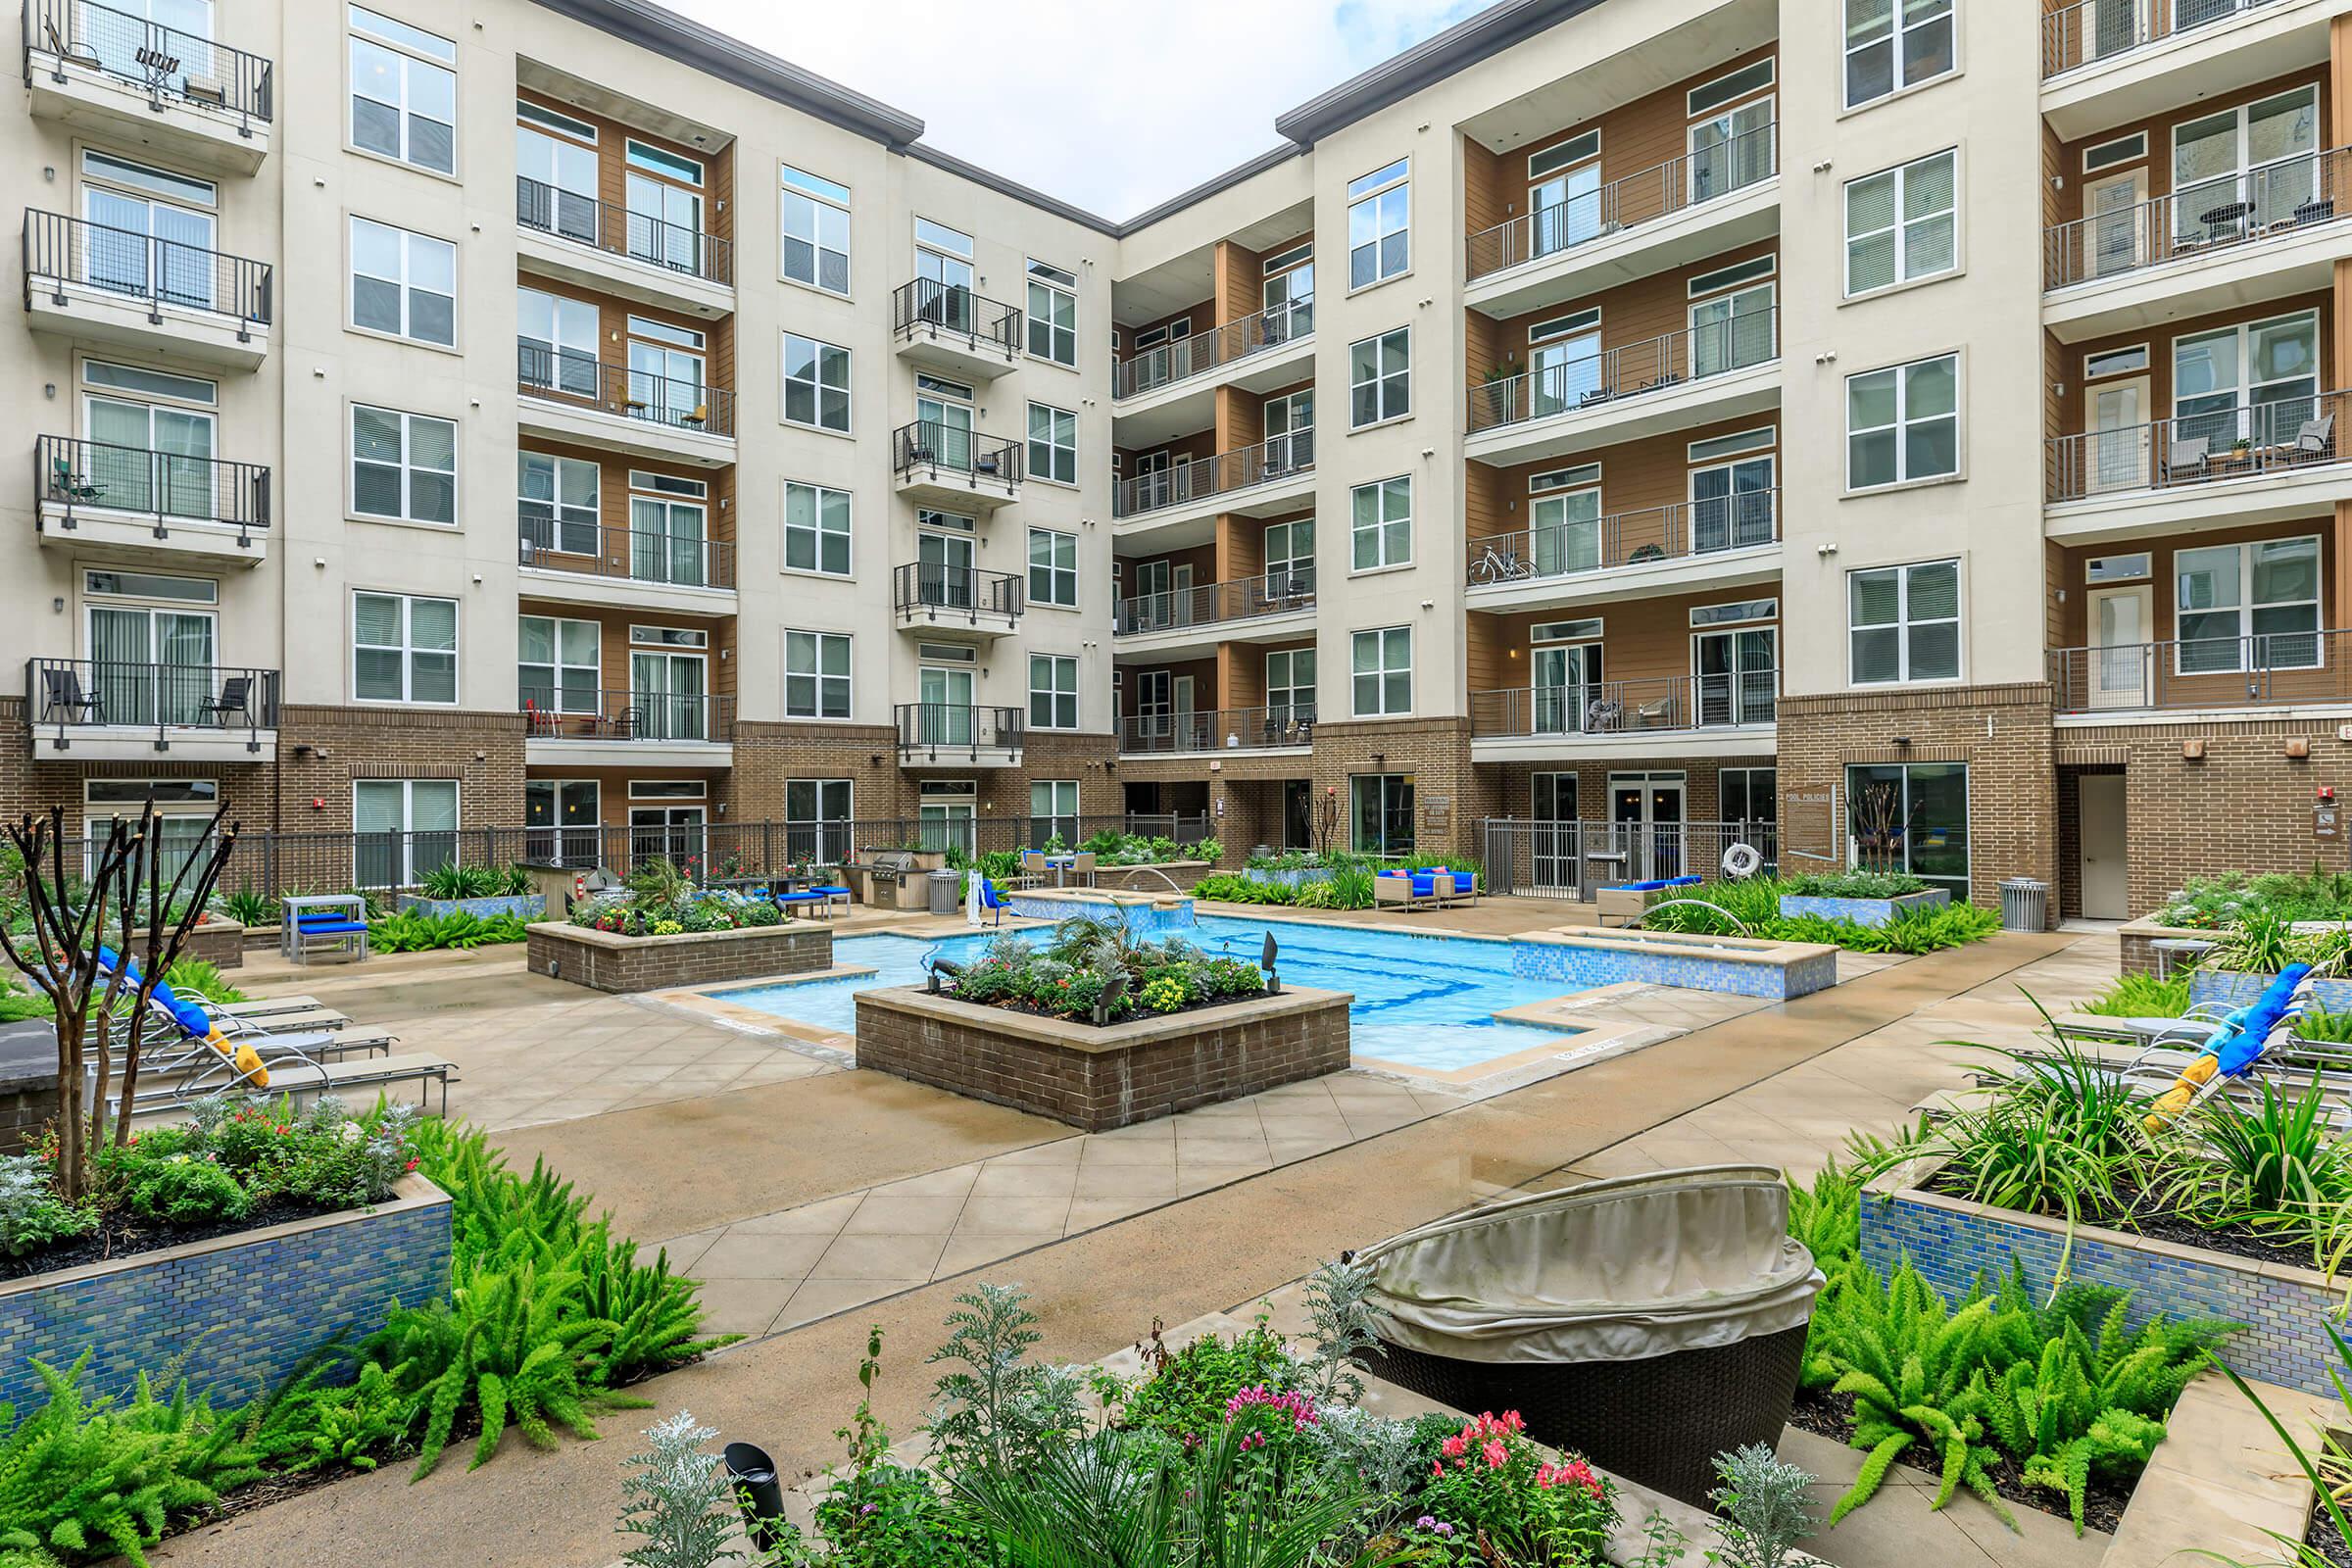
pixel 602 961
pixel 27 1103
pixel 768 754
pixel 481 750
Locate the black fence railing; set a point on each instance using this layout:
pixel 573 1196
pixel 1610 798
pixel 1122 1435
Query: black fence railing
pixel 1285 456
pixel 182 67
pixel 1683 531
pixel 1630 370
pixel 1276 326
pixel 544 370
pixel 61 250
pixel 638 716
pixel 167 486
pixel 930 447
pixel 1224 729
pixel 2280 436
pixel 1279 592
pixel 632 555
pixel 944 593
pixel 619 231
pixel 948 731
pixel 1729 165
pixel 1571 859
pixel 926 308
pixel 1731 699
pixel 66 695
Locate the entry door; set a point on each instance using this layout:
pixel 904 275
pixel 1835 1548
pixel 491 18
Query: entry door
pixel 1646 815
pixel 1565 532
pixel 666 384
pixel 141 243
pixel 150 457
pixel 947 697
pixel 1731 332
pixel 2114 240
pixel 946 825
pixel 1565 210
pixel 150 665
pixel 666 541
pixel 944 572
pixel 2105 878
pixel 952 428
pixel 1735 671
pixel 667 690
pixel 1731 505
pixel 1290 426
pixel 1180 695
pixel 665 224
pixel 2116 417
pixel 1567 686
pixel 2120 647
pixel 1554 857
pixel 1297 813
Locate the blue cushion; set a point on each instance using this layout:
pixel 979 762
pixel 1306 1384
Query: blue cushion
pixel 798 898
pixel 840 892
pixel 330 928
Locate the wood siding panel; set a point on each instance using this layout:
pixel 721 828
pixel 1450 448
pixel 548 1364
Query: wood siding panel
pixel 2067 203
pixel 2073 413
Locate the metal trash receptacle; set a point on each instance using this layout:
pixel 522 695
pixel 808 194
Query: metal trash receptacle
pixel 944 887
pixel 2024 904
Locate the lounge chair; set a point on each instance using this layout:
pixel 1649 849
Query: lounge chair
pixel 1457 887
pixel 1404 890
pixel 2314 440
pixel 2185 460
pixel 2230 1054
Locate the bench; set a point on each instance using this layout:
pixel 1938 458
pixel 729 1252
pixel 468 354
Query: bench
pixel 333 923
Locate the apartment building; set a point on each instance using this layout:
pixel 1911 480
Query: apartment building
pixel 1856 428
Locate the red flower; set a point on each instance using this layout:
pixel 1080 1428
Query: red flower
pixel 410 1165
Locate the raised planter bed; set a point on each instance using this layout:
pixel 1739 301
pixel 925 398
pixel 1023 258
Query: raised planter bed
pixel 1587 956
pixel 2236 989
pixel 529 906
pixel 243 1309
pixel 219 940
pixel 1293 876
pixel 604 960
pixel 2138 939
pixel 1862 911
pixel 1094 1078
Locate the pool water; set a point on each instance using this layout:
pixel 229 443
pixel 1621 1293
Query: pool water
pixel 1420 1001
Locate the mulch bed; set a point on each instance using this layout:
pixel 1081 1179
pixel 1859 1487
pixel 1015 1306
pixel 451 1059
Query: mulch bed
pixel 2232 1241
pixel 2325 1540
pixel 124 1238
pixel 1832 1415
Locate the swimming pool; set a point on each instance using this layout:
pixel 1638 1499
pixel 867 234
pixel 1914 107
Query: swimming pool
pixel 1420 1001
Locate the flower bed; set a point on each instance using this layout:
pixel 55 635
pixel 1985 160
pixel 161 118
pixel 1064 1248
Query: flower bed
pixel 1758 906
pixel 614 961
pixel 1865 897
pixel 522 905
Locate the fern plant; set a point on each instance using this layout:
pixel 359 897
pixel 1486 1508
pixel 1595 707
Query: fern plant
pixel 307 1425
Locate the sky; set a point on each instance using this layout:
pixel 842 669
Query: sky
pixel 1111 104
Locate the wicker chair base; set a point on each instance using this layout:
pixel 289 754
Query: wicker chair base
pixel 1659 1422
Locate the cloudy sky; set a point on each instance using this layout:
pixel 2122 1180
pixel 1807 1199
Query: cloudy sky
pixel 1111 104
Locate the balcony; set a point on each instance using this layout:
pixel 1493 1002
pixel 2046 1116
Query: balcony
pixel 1165 391
pixel 2235 241
pixel 1689 715
pixel 628 729
pixel 2266 463
pixel 88 493
pixel 1720 371
pixel 1182 622
pixel 942 466
pixel 569 397
pixel 123 77
pixel 1646 223
pixel 1223 730
pixel 957 735
pixel 114 285
pixel 2107 63
pixel 578 239
pixel 954 330
pixel 2209 676
pixel 85 710
pixel 933 598
pixel 1723 542
pixel 583 563
pixel 1176 504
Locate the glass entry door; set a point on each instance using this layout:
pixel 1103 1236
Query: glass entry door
pixel 944 571
pixel 1727 154
pixel 560 818
pixel 674 833
pixel 1562 372
pixel 1731 505
pixel 950 424
pixel 1735 673
pixel 1567 686
pixel 150 666
pixel 1731 332
pixel 947 712
pixel 1645 814
pixel 1564 210
pixel 140 244
pixel 667 692
pixel 666 542
pixel 1289 433
pixel 1564 536
pixel 150 457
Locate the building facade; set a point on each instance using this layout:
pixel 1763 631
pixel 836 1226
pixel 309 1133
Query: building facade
pixel 1906 433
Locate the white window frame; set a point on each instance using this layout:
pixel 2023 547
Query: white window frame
pixel 1898 28
pixel 822 195
pixel 559 527
pixel 1369 193
pixel 408 239
pixel 1057 284
pixel 1060 672
pixel 1904 423
pixel 1392 390
pixel 1902 226
pixel 817 388
pixel 556 625
pixel 809 648
pixel 1385 640
pixel 1058 571
pixel 407 647
pixel 2246 552
pixel 1383 527
pixel 817 535
pixel 408 871
pixel 1904 624
pixel 414 48
pixel 1058 792
pixel 1057 452
pixel 406 465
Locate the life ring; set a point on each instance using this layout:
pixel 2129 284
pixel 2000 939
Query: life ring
pixel 1741 860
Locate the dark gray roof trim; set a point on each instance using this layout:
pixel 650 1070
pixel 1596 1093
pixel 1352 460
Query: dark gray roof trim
pixel 1464 44
pixel 706 49
pixel 1015 189
pixel 1271 158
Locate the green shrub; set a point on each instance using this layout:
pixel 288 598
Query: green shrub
pixel 1854 884
pixel 31 1214
pixel 1185 1391
pixel 162 1177
pixel 415 931
pixel 308 1426
pixel 2209 903
pixel 2142 996
pixel 248 905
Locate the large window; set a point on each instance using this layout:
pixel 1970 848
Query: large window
pixel 1903 623
pixel 1052 567
pixel 562 815
pixel 555 171
pixel 1053 692
pixel 2249 607
pixel 816 529
pixel 1382 670
pixel 1378 219
pixel 404 93
pixel 184 818
pixel 1900 223
pixel 1054 809
pixel 1911 816
pixel 816 231
pixel 1291 683
pixel 1381 523
pixel 1053 313
pixel 817 675
pixel 817 384
pixel 403 283
pixel 404 649
pixel 557 342
pixel 1379 812
pixel 557 503
pixel 403 466
pixel 1902 423
pixel 152 438
pixel 2261 154
pixel 403 829
pixel 2252 384
pixel 1052 443
pixel 1379 379
pixel 1894 43
pixel 558 664
pixel 817 815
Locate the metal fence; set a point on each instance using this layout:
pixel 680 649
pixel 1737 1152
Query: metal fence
pixel 637 554
pixel 1628 370
pixel 928 307
pixel 639 237
pixel 1575 544
pixel 66 695
pixel 61 250
pixel 2204 217
pixel 2292 431
pixel 186 68
pixel 932 445
pixel 1147 370
pixel 1283 458
pixel 545 371
pixel 1570 859
pixel 2088 30
pixel 1729 165
pixel 99 476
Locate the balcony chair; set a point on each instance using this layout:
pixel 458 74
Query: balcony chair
pixel 699 417
pixel 81 54
pixel 61 691
pixel 235 698
pixel 76 486
pixel 1658 714
pixel 1598 395
pixel 1603 714
pixel 204 89
pixel 629 724
pixel 2185 460
pixel 2314 440
pixel 2315 211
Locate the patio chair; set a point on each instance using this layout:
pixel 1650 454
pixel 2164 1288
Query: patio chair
pixel 2185 460
pixel 1602 714
pixel 2314 440
pixel 76 486
pixel 1658 714
pixel 1082 870
pixel 627 725
pixel 1457 887
pixel 1404 890
pixel 61 692
pixel 235 698
pixel 2315 211
pixel 1033 866
pixel 991 903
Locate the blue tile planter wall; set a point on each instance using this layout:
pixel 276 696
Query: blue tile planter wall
pixel 1297 876
pixel 1950 1242
pixel 530 906
pixel 1582 958
pixel 1144 917
pixel 242 1310
pixel 2236 989
pixel 1862 911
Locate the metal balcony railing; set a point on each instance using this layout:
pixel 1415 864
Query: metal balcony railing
pixel 929 445
pixel 1225 729
pixel 2213 216
pixel 2234 443
pixel 632 555
pixel 925 308
pixel 1686 529
pixel 2272 670
pixel 543 371
pixel 1731 701
pixel 1215 604
pixel 2088 30
pixel 1633 199
pixel 61 250
pixel 944 593
pixel 167 486
pixel 82 693
pixel 1254 333
pixel 1284 457
pixel 649 716
pixel 184 69
pixel 1628 370
pixel 946 731
pixel 617 231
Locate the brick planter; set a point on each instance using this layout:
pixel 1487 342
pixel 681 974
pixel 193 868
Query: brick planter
pixel 1150 878
pixel 1099 1078
pixel 2233 988
pixel 604 961
pixel 218 942
pixel 243 1309
pixel 2138 941
pixel 1862 911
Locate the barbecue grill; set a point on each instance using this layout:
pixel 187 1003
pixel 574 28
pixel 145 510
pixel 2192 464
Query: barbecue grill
pixel 887 879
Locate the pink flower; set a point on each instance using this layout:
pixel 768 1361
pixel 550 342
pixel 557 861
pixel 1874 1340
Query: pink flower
pixel 1496 1454
pixel 1453 1446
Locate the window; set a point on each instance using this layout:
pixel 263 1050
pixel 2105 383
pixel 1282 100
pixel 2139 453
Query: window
pixel 1291 683
pixel 2115 361
pixel 404 285
pixel 1379 812
pixel 816 819
pixel 1379 215
pixel 816 529
pixel 1290 555
pixel 1052 567
pixel 1903 424
pixel 668 530
pixel 403 95
pixel 1054 809
pixel 557 188
pixel 151 232
pixel 1900 223
pixel 2135 567
pixel 1750 794
pixel 2122 150
pixel 1913 818
pixel 403 466
pixel 1384 671
pixel 2249 607
pixel 2259 153
pixel 1052 443
pixel 404 649
pixel 1053 692
pixel 1903 623
pixel 555 343
pixel 152 438
pixel 151 662
pixel 183 817
pixel 1380 378
pixel 663 192
pixel 1053 313
pixel 2251 384
pixel 403 829
pixel 1894 43
pixel 817 675
pixel 817 384
pixel 1383 516
pixel 560 817
pixel 816 231
pixel 558 667
pixel 556 502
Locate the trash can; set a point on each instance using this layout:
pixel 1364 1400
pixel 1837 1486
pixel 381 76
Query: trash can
pixel 2024 904
pixel 945 885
